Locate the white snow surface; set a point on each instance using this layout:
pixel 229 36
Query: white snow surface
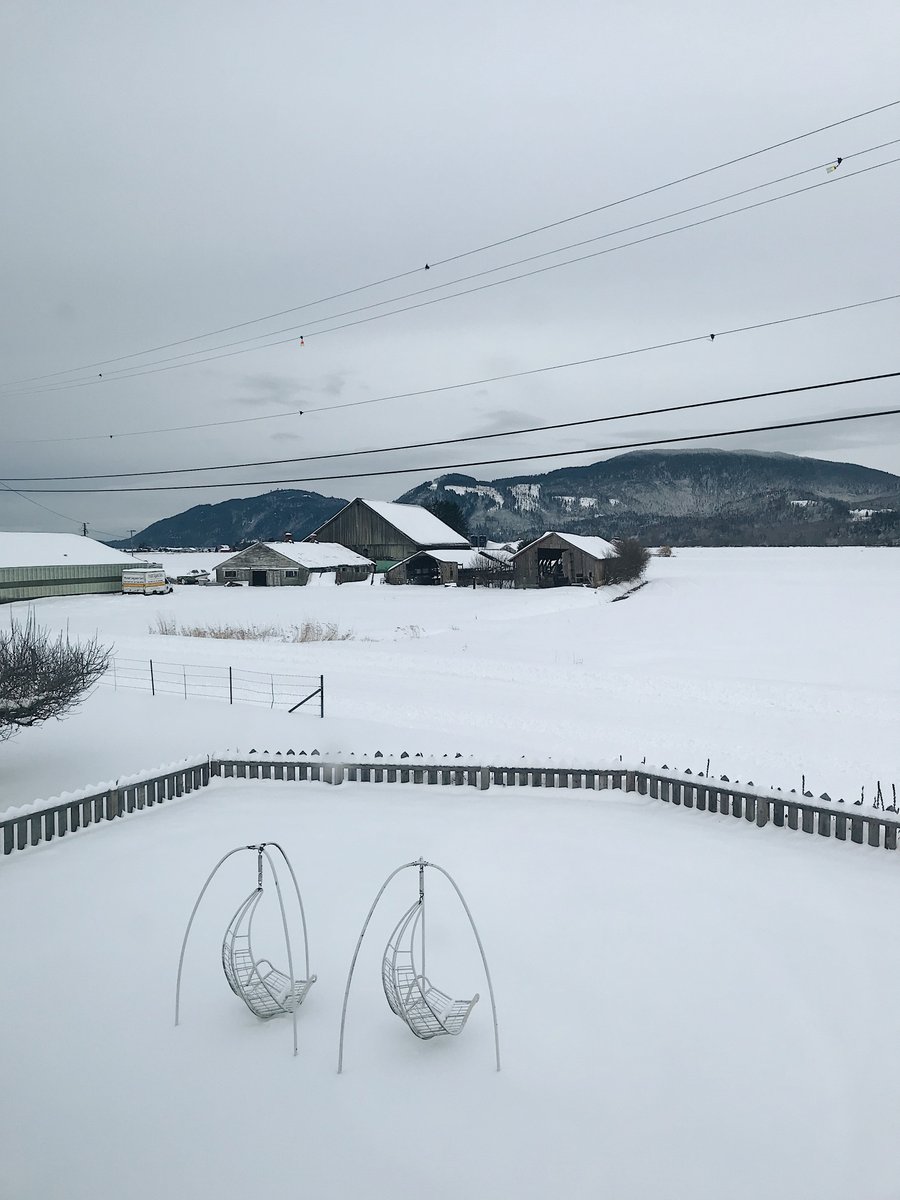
pixel 417 523
pixel 685 1005
pixel 686 1002
pixel 315 555
pixel 773 664
pixel 60 550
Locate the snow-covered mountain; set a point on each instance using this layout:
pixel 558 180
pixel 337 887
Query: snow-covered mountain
pixel 708 496
pixel 698 497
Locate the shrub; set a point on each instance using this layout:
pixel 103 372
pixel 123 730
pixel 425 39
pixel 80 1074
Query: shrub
pixel 307 631
pixel 664 552
pixel 42 676
pixel 629 563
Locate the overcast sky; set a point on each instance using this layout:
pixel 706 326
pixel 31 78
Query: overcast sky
pixel 174 168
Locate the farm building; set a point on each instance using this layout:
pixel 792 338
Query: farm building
pixel 462 567
pixel 289 563
pixel 562 560
pixel 59 564
pixel 389 533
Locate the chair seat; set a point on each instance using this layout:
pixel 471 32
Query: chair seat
pixel 265 990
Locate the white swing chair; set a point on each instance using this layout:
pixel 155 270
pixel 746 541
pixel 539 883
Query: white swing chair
pixel 426 1010
pixel 266 991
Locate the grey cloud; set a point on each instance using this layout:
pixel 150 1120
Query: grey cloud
pixel 134 223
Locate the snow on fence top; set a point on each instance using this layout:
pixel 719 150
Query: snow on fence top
pixel 437 758
pixel 44 821
pixel 96 789
pixel 417 523
pixel 56 550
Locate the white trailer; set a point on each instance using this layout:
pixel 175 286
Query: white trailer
pixel 145 581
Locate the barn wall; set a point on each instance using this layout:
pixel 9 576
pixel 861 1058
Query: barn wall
pixel 352 574
pixel 275 576
pixel 396 574
pixel 359 528
pixel 579 568
pixel 260 558
pixel 277 567
pixel 448 571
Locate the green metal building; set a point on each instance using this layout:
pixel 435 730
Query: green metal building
pixel 33 565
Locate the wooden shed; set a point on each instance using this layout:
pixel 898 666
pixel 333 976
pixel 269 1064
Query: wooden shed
pixel 59 564
pixel 476 568
pixel 388 533
pixel 562 560
pixel 292 564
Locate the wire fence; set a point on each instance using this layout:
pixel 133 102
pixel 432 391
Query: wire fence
pixel 229 684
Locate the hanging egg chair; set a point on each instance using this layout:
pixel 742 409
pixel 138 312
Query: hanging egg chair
pixel 267 991
pixel 424 1009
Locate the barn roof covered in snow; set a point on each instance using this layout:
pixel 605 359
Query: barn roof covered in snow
pixel 57 550
pixel 417 523
pixel 317 555
pixel 468 559
pixel 597 547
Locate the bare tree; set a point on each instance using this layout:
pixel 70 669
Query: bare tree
pixel 42 676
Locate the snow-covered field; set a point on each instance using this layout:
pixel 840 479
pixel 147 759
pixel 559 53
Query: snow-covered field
pixel 771 663
pixel 689 1008
pixel 688 1005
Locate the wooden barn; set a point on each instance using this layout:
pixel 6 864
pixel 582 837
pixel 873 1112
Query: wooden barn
pixel 293 564
pixel 562 560
pixel 59 564
pixel 388 533
pixel 465 568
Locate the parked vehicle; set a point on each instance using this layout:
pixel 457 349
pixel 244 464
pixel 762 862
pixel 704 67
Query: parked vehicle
pixel 145 581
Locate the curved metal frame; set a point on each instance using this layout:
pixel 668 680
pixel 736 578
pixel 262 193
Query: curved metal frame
pixel 249 906
pixel 410 915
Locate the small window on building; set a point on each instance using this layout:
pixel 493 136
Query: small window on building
pixel 230 574
pixel 290 574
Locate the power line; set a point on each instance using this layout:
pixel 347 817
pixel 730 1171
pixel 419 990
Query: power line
pixel 519 458
pixel 156 369
pixel 583 362
pixel 450 387
pixel 46 508
pixel 476 250
pixel 477 437
pixel 95 437
pixel 177 361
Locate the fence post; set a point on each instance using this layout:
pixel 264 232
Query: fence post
pixel 152 680
pixel 230 687
pixel 322 696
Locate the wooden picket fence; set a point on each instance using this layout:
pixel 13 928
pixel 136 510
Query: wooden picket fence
pixel 30 828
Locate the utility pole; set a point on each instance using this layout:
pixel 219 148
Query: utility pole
pixel 84 528
pixel 132 532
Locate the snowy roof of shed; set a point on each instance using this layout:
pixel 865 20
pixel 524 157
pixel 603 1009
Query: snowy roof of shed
pixel 597 547
pixel 58 550
pixel 417 523
pixel 319 554
pixel 468 559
